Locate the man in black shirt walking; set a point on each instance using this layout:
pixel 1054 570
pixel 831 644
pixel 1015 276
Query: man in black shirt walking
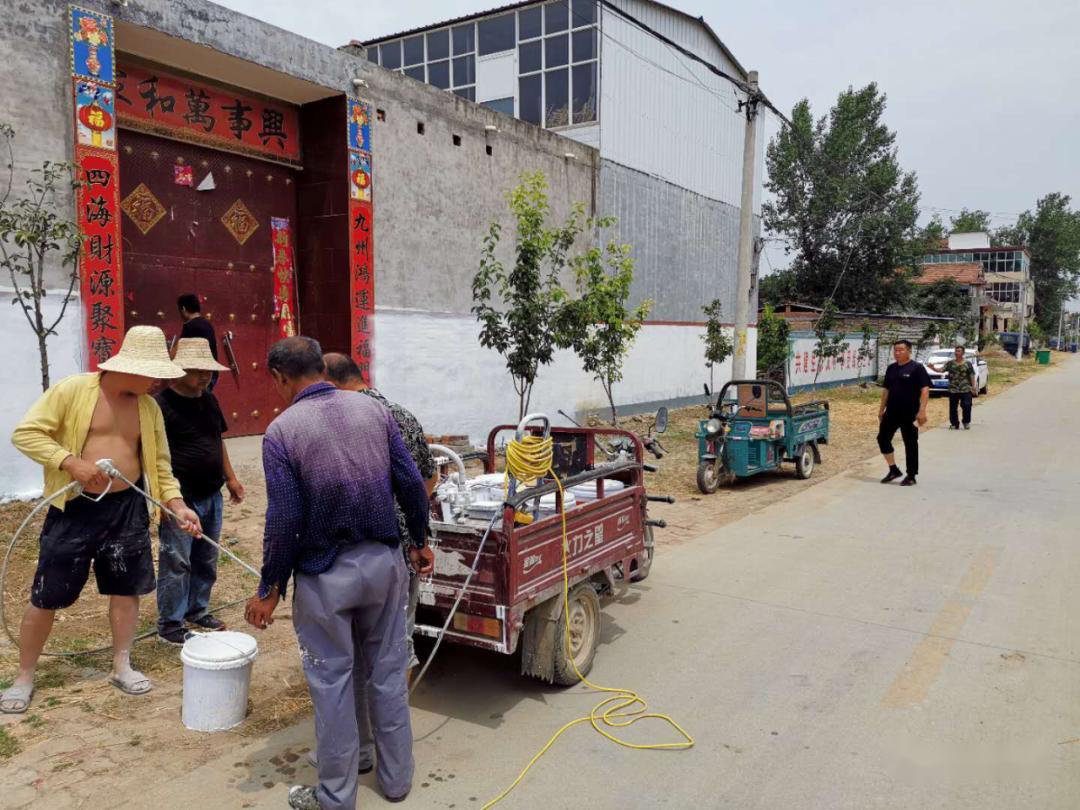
pixel 197 326
pixel 906 391
pixel 187 566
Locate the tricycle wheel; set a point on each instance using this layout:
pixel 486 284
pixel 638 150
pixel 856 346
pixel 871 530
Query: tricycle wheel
pixel 804 461
pixel 642 571
pixel 708 477
pixel 584 621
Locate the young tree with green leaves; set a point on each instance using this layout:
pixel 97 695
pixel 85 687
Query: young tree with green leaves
pixel 518 307
pixel 600 325
pixel 829 342
pixel 719 345
pixel 868 347
pixel 773 347
pixel 33 235
pixel 844 206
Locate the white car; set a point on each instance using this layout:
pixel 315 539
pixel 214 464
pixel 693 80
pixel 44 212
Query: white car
pixel 935 367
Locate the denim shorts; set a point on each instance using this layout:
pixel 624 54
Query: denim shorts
pixel 111 535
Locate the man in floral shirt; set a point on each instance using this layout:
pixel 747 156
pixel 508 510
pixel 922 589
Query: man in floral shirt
pixel 962 387
pixel 343 372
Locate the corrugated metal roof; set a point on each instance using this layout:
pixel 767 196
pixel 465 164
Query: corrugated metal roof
pixel 513 6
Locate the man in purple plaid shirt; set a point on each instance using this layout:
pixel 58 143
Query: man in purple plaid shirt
pixel 334 464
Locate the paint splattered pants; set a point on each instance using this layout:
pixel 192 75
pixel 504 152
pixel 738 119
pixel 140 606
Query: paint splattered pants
pixel 113 534
pixel 350 622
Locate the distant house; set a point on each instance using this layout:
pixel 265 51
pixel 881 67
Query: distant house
pixel 969 276
pixel 1008 288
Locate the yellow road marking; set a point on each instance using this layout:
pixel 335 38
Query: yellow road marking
pixel 914 681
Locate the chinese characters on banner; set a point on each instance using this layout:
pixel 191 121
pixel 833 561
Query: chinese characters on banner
pixel 97 201
pixel 153 101
pixel 361 242
pixel 284 277
pixel 805 367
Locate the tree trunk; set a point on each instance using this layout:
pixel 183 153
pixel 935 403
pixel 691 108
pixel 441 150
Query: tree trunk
pixel 43 349
pixel 611 402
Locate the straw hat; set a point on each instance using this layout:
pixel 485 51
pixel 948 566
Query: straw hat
pixel 145 353
pixel 193 354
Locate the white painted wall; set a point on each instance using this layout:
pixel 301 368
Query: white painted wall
pixel 803 365
pixel 664 114
pixel 434 366
pixel 20 477
pixel 969 240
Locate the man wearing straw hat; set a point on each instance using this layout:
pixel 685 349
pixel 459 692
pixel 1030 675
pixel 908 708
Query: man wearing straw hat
pixel 81 419
pixel 187 566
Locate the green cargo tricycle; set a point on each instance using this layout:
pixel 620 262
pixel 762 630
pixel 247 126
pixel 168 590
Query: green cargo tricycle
pixel 753 427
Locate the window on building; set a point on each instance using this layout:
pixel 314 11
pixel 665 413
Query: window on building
pixel 438 44
pixel 372 54
pixel 414 51
pixel 530 22
pixel 556 51
pixel 464 39
pixel 584 44
pixel 531 99
pixel 390 54
pixel 556 17
pixel 464 70
pixel 530 57
pixel 583 12
pixel 439 74
pixel 495 35
pixel 584 95
pixel 556 98
pixel 503 105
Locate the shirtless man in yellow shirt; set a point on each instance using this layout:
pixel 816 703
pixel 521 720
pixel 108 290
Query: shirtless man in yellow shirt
pixel 77 422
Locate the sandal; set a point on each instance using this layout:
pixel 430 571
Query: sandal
pixel 131 683
pixel 16 700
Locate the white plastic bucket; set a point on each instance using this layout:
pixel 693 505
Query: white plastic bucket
pixel 217 675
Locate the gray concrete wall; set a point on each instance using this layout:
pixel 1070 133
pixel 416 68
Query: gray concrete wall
pixel 434 201
pixel 685 245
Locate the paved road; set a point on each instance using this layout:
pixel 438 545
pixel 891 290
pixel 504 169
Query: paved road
pixel 856 646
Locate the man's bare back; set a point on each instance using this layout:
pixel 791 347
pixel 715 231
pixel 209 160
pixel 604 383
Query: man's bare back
pixel 114 432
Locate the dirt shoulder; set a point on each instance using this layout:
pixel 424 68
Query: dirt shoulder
pixel 77 743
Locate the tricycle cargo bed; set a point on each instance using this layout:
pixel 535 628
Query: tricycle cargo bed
pixel 521 565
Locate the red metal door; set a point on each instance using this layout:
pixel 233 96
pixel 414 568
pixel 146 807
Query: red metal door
pixel 214 242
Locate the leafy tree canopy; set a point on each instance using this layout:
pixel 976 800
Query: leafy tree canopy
pixel 844 206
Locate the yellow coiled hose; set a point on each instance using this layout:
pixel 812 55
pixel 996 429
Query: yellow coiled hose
pixel 529 460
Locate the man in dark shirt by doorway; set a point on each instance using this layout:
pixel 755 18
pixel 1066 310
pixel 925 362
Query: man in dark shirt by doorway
pixel 197 326
pixel 905 394
pixel 194 424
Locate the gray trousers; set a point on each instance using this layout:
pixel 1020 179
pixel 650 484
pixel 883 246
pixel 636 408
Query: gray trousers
pixel 354 615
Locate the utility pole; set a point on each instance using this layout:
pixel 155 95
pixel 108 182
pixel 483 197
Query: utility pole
pixel 1061 324
pixel 1023 315
pixel 746 229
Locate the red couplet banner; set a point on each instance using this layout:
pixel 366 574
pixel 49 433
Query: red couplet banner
pixel 362 285
pixel 102 284
pixel 153 101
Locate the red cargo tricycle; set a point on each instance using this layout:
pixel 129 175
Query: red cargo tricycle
pixel 515 596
